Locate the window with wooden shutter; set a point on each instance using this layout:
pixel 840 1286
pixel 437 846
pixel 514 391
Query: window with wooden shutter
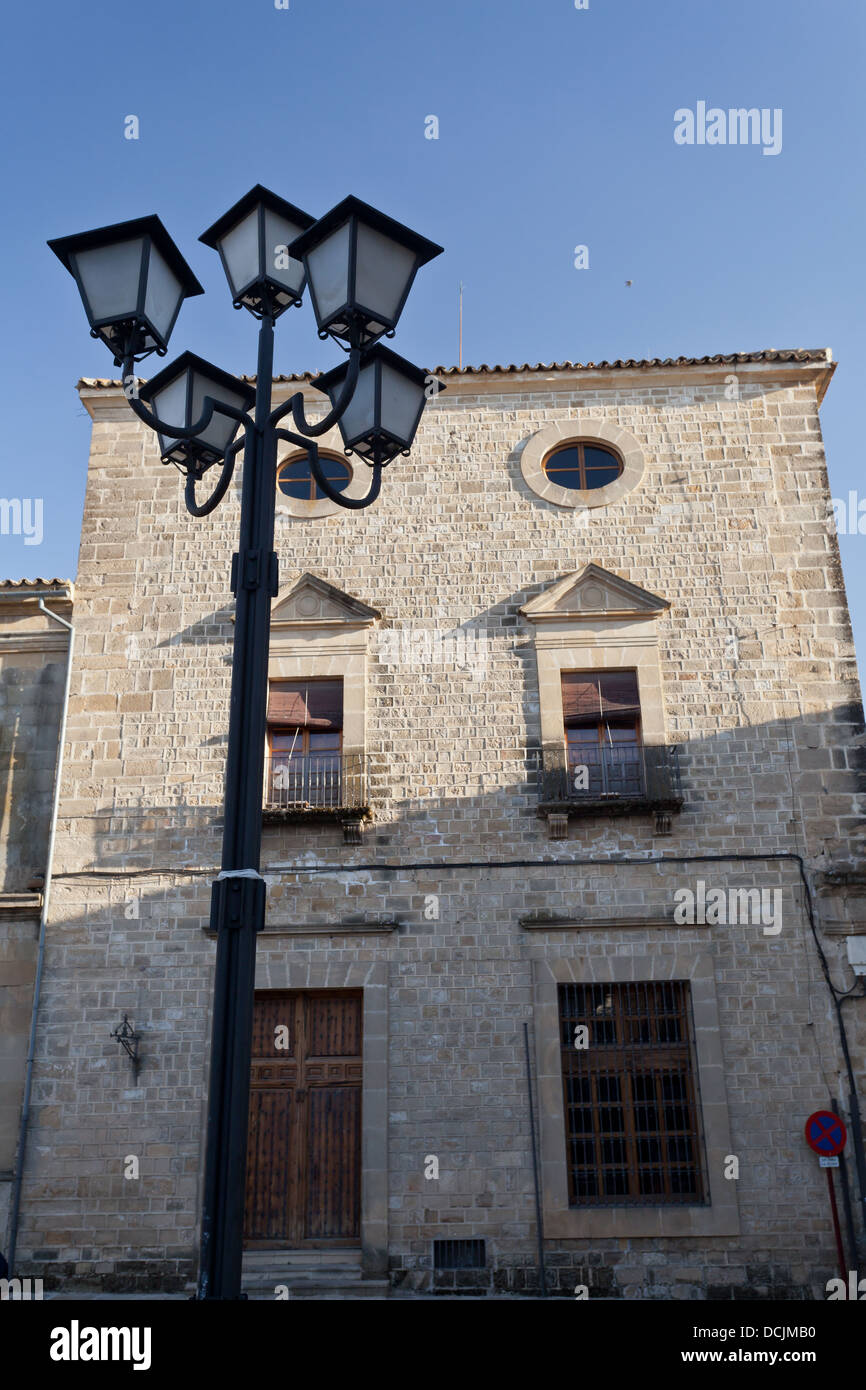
pixel 601 718
pixel 305 731
pixel 310 705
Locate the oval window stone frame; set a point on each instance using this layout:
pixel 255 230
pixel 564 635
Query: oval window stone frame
pixel 585 429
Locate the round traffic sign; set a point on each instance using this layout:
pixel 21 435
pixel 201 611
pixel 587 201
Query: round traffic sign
pixel 826 1133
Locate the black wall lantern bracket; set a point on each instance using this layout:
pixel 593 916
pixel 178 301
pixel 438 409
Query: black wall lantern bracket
pixel 129 1040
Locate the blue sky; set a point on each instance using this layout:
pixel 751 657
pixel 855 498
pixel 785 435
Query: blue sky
pixel 555 129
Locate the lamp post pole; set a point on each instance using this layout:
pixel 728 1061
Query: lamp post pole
pixel 238 904
pixel 360 265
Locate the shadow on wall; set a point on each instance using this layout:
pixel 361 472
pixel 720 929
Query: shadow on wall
pixel 31 700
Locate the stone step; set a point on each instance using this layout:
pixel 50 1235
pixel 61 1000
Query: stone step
pixel 323 1274
pixel 309 1274
pixel 301 1259
pixel 322 1286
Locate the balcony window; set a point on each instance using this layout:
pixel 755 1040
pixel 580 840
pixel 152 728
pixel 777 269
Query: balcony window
pixel 305 733
pixel 600 763
pixel 601 715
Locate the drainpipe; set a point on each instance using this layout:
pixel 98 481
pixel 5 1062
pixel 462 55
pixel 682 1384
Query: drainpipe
pixel 46 895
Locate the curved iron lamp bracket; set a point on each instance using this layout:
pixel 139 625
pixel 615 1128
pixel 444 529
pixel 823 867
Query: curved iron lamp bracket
pixel 295 404
pixel 305 440
pixel 312 451
pixel 205 508
pixel 209 407
pixel 189 431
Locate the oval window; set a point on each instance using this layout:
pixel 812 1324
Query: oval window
pixel 295 477
pixel 582 466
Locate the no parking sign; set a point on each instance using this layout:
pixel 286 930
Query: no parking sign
pixel 826 1135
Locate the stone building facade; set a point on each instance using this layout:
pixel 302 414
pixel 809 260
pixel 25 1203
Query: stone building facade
pixel 451 878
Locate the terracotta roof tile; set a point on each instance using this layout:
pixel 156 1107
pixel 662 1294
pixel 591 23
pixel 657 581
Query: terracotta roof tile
pixel 629 363
pixel 35 583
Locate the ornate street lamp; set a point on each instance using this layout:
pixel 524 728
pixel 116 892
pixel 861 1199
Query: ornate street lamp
pixel 253 241
pixel 177 395
pixel 132 280
pixel 383 415
pixel 360 265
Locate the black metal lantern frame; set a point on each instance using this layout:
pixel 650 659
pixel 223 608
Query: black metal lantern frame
pixel 131 334
pixel 192 454
pixel 378 442
pixel 238 894
pixel 260 293
pixel 354 323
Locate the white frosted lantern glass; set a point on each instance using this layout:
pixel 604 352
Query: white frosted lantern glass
pixel 170 405
pixel 220 431
pixel 360 413
pixel 329 272
pixel 163 294
pixel 383 271
pixel 110 276
pixel 279 235
pixel 240 247
pixel 401 402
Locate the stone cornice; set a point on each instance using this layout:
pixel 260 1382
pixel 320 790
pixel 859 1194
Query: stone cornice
pixel 32 642
pixel 17 905
pixel 623 923
pixel 332 929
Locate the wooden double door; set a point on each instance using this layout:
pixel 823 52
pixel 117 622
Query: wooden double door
pixel 303 1183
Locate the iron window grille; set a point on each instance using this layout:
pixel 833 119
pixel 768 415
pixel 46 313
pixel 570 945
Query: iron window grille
pixel 459 1254
pixel 630 1095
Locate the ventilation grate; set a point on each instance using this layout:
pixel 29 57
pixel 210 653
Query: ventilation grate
pixel 459 1254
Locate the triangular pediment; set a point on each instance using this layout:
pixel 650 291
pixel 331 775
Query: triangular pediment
pixel 311 600
pixel 593 592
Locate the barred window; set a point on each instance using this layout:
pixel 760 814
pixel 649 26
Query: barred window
pixel 630 1093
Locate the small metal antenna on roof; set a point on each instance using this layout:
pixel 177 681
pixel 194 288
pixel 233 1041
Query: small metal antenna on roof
pixel 460 324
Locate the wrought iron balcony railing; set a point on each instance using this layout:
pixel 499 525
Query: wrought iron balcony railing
pixel 617 778
pixel 315 784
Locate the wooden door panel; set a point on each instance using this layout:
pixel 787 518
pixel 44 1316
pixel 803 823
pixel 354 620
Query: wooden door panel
pixel 270 1013
pixel 304 1153
pixel 333 1163
pixel 333 1026
pixel 271 1184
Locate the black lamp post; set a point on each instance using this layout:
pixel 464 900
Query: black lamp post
pixel 132 279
